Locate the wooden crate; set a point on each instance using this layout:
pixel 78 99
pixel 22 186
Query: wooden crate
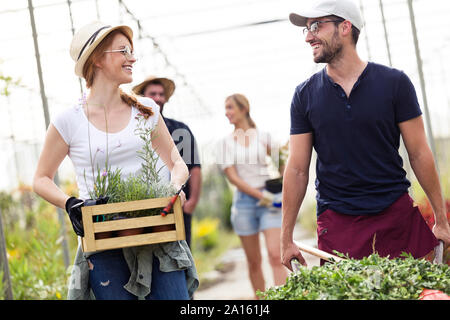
pixel 90 244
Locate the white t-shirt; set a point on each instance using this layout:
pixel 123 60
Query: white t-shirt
pixel 72 125
pixel 250 161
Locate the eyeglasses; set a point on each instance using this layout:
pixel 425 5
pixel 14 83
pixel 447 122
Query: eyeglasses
pixel 126 51
pixel 314 27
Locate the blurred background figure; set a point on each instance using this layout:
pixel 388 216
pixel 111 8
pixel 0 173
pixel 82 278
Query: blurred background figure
pixel 244 162
pixel 160 90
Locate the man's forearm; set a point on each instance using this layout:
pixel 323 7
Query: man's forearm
pixel 295 183
pixel 426 173
pixel 195 184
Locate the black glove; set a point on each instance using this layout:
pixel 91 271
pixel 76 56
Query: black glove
pixel 73 208
pixel 274 185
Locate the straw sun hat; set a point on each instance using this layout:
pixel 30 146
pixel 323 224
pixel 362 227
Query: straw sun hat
pixel 169 86
pixel 87 39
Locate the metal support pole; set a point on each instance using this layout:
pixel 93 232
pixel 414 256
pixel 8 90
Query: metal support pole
pixel 61 214
pixel 369 56
pixel 403 150
pixel 385 33
pixel 69 4
pixel 13 140
pixel 97 10
pixel 422 83
pixel 4 264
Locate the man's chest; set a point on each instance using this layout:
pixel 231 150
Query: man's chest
pixel 362 108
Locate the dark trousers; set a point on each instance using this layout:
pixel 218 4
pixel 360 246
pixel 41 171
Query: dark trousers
pixel 187 227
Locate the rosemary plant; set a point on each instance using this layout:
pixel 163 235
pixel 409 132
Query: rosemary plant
pixel 145 184
pixel 106 180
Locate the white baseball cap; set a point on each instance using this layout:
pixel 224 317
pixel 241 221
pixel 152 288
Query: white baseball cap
pixel 346 9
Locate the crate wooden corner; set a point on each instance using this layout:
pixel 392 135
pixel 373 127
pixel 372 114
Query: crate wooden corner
pixel 90 244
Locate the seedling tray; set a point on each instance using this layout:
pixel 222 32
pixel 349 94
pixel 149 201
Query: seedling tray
pixel 148 236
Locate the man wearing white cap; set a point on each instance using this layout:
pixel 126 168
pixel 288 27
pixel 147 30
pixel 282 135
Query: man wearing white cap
pixel 353 112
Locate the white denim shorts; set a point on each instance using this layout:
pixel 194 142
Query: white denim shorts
pixel 247 218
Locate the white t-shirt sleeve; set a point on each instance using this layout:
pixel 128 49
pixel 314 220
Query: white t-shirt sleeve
pixel 148 102
pixel 64 123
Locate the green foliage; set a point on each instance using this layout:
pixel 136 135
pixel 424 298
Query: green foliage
pixel 2 286
pixel 372 278
pixel 105 183
pixel 8 209
pixel 35 257
pixel 216 197
pixel 149 174
pixel 208 250
pixel 7 82
pixel 146 184
pixel 280 159
pixel 205 233
pixel 133 188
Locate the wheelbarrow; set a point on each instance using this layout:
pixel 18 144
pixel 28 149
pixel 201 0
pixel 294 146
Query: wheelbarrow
pixel 427 294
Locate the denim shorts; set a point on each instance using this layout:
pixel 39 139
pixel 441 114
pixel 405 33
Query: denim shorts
pixel 247 218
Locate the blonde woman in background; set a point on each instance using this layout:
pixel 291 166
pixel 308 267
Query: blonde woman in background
pixel 244 163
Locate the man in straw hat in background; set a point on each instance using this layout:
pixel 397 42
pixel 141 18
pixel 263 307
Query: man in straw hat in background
pixel 160 90
pixel 353 112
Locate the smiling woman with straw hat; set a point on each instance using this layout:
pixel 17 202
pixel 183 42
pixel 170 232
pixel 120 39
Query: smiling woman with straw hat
pixel 104 57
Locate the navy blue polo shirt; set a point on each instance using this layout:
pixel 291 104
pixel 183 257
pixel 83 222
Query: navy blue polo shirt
pixel 187 146
pixel 359 169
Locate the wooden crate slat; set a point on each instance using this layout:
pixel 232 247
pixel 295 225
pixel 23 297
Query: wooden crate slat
pixel 90 244
pixel 84 245
pixel 131 223
pixel 88 228
pixel 136 240
pixel 179 220
pixel 129 206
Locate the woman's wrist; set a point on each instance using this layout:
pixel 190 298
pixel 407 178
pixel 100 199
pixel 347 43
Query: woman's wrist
pixel 179 174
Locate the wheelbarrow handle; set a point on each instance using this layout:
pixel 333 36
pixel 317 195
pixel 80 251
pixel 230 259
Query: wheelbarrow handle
pixel 318 253
pixel 439 253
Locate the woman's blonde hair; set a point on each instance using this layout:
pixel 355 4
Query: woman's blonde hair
pixel 242 103
pixel 89 70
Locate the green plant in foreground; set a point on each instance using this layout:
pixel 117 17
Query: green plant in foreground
pixel 148 174
pixel 35 257
pixel 145 184
pixel 133 188
pixel 371 278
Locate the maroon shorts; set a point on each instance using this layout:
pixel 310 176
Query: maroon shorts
pixel 399 228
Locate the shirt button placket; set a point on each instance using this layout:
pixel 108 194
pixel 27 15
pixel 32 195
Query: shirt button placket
pixel 348 112
pixel 348 106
